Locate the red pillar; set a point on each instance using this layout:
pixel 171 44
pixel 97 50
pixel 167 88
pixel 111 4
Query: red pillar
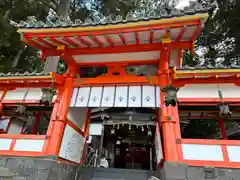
pixel 59 118
pixel 168 118
pixel 36 123
pixel 222 128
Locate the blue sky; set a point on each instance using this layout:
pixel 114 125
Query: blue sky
pixel 183 3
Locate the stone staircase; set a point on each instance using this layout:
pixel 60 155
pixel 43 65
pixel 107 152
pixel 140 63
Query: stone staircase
pixel 120 174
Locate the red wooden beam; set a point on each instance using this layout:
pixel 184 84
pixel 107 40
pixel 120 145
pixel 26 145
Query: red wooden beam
pixel 32 43
pixel 96 40
pixel 121 35
pixel 71 42
pixel 56 41
pixel 113 80
pixel 69 59
pixel 43 41
pixel 196 33
pixel 151 34
pixel 181 33
pixel 83 41
pixel 137 37
pixel 222 128
pixel 109 40
pixel 36 123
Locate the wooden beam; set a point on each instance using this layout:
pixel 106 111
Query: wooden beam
pixel 113 80
pixel 179 38
pixel 68 59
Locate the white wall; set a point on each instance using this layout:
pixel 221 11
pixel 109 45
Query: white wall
pixel 72 145
pixel 209 91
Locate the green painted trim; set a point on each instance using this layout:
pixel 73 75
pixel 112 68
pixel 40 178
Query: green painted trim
pixel 21 36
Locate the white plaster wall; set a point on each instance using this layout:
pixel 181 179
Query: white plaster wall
pixel 17 94
pixel 72 145
pixel 30 145
pixel 5 144
pixel 114 57
pixel 34 94
pixel 234 153
pixel 209 91
pixel 202 152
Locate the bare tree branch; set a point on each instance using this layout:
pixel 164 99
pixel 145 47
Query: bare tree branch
pixel 56 3
pixel 49 5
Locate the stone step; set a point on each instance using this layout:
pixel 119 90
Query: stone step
pixel 123 174
pixel 118 170
pixel 94 178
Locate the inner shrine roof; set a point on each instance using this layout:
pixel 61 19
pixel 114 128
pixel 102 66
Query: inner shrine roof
pixel 130 18
pixel 23 74
pixel 209 67
pixel 31 79
pixel 144 29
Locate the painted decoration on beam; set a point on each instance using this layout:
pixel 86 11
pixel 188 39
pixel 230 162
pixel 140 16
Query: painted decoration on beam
pixel 116 96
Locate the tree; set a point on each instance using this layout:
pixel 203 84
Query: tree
pixel 220 39
pixel 10 44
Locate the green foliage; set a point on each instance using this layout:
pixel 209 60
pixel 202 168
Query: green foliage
pixel 220 36
pixel 10 44
pixel 201 128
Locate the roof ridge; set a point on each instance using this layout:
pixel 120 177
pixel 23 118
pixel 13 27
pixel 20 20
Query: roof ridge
pixel 110 20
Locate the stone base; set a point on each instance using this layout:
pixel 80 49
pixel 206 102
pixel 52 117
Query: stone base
pixel 177 171
pixel 26 168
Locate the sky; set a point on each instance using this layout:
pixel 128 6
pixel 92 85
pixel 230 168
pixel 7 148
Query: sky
pixel 183 3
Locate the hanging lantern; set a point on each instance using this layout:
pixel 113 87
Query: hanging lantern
pixel 112 131
pixel 170 95
pixel 47 96
pixel 129 127
pixel 224 109
pixel 20 108
pixel 149 133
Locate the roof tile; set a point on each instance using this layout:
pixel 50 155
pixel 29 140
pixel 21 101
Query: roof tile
pixel 199 67
pixel 161 14
pixel 9 74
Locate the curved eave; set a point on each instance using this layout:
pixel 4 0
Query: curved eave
pixel 206 72
pixel 11 81
pixel 179 29
pixel 168 21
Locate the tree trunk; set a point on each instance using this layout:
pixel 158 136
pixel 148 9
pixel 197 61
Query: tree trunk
pixel 16 59
pixel 51 64
pixel 63 9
